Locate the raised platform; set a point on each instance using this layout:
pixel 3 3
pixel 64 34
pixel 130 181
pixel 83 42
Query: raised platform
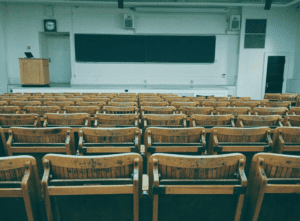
pixel 176 89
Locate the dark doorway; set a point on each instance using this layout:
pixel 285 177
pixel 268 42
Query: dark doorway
pixel 275 71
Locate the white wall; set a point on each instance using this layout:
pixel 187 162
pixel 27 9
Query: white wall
pixel 3 77
pixel 280 39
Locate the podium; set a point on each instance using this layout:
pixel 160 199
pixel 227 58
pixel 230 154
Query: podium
pixel 34 71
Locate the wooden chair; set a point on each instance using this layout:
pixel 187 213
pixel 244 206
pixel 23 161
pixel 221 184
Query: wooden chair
pixel 124 100
pixel 4 103
pixel 175 140
pixel 109 140
pixel 270 111
pixel 298 102
pixel 197 187
pixel 292 121
pixel 19 180
pixel 294 111
pixel 242 98
pixel 82 109
pixel 150 99
pixel 240 140
pixel 61 104
pixel 71 120
pixel 163 120
pixel 273 189
pixel 120 110
pixel 220 98
pixel 127 94
pixel 287 140
pixel 21 104
pixel 236 111
pixel 116 120
pixel 197 99
pixel 271 121
pixel 273 96
pixel 289 97
pixel 10 99
pixel 99 104
pixel 179 104
pixel 181 99
pixel 251 104
pixel 90 94
pixel 75 100
pixel 209 121
pixel 72 93
pixel 122 104
pixel 158 110
pixel 92 186
pixel 42 100
pixel 286 104
pixel 10 110
pixel 20 120
pixel 196 110
pixel 154 104
pixel 41 110
pixel 98 99
pixel 215 104
pixel 57 98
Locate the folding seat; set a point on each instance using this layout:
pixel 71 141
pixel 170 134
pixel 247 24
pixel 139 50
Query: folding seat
pixel 122 104
pixel 57 98
pixel 292 121
pixel 90 94
pixel 294 111
pixel 271 121
pixel 155 104
pixel 109 140
pixel 4 103
pixel 120 110
pixel 273 96
pixel 71 93
pixel 270 111
pixel 84 97
pixel 41 110
pixel 116 120
pixel 215 104
pixel 289 97
pixel 98 99
pixel 63 120
pixel 163 120
pixel 124 100
pixel 158 110
pixel 241 98
pixel 236 111
pixel 150 99
pixel 99 104
pixel 127 94
pixel 287 140
pixel 248 141
pixel 179 104
pixel 42 100
pixel 179 99
pixel 220 98
pixel 197 99
pixel 20 120
pixel 19 189
pixel 273 188
pixel 10 110
pixel 187 110
pixel 175 140
pixel 251 104
pixel 82 109
pixel 286 104
pixel 209 121
pixel 39 141
pixel 75 100
pixel 61 104
pixel 197 187
pixel 10 99
pixel 21 104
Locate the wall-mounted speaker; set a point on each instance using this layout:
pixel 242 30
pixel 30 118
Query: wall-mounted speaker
pixel 235 23
pixel 128 21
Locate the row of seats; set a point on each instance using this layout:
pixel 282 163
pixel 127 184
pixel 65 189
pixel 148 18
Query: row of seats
pixel 182 187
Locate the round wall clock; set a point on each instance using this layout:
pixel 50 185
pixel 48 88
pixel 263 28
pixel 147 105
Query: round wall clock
pixel 50 25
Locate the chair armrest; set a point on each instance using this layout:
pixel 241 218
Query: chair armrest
pixel 136 139
pixel 86 123
pixel 95 121
pixel 9 143
pixel 280 122
pixel 270 141
pixel 232 122
pixel 45 122
pixel 136 121
pixel 35 124
pixel 145 122
pixel 142 150
pixel 80 142
pixel 184 121
pixel 149 139
pixel 215 139
pixel 45 179
pixel 203 137
pixel 239 123
pixel 193 122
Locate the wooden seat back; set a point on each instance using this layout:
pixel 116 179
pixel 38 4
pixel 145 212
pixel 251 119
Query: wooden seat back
pixel 289 97
pixel 21 104
pixel 19 180
pixel 120 110
pixel 294 111
pixel 10 110
pixel 57 98
pixel 90 94
pixel 179 104
pixel 124 100
pixel 292 121
pixel 75 100
pixel 41 110
pixel 61 104
pixel 273 191
pixel 287 140
pixel 82 109
pixel 208 121
pixel 109 140
pixel 71 120
pixel 271 121
pixel 3 103
pixel 150 99
pixel 21 120
pixel 164 120
pixel 116 120
pixel 10 99
pixel 42 100
pixel 99 104
pixel 154 104
pixel 196 110
pixel 233 110
pixel 278 104
pixel 158 110
pixel 251 104
pixel 270 111
pixel 98 99
pixel 273 96
pixel 215 104
pixel 122 104
pixel 195 180
pixel 181 99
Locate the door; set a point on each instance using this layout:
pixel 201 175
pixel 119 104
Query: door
pixel 275 72
pixel 60 58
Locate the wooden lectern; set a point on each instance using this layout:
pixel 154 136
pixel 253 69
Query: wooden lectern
pixel 34 71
